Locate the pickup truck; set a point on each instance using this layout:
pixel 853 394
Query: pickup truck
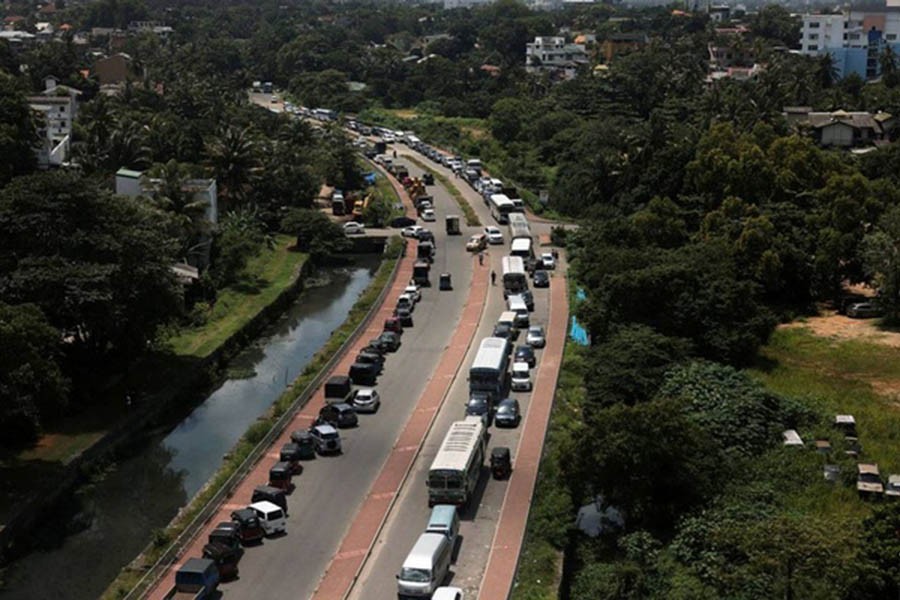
pixel 197 579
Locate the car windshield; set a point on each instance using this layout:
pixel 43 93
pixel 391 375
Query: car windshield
pixel 505 409
pixel 536 331
pixel 415 575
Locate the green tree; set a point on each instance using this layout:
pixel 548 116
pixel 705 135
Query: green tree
pixel 18 134
pixel 316 234
pixel 232 154
pixel 239 237
pixel 97 265
pixel 776 23
pixel 880 251
pixel 32 386
pixel 171 195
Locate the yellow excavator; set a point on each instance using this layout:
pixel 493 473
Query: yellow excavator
pixel 361 205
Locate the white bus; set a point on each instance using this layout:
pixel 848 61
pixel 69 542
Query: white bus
pixel 501 206
pixel 515 279
pixel 523 248
pixel 518 226
pixel 488 371
pixel 454 473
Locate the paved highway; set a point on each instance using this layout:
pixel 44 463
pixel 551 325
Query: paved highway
pixel 331 489
pixel 409 515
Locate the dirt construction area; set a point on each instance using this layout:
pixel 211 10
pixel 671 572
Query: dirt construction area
pixel 829 324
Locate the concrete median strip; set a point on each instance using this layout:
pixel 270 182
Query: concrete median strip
pixel 507 544
pixel 342 573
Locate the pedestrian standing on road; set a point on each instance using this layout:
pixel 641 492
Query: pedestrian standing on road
pixel 555 254
pixel 481 258
pixel 395 154
pixel 128 401
pixel 493 277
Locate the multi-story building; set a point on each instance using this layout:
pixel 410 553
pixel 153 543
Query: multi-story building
pixel 56 107
pixel 554 54
pixel 855 39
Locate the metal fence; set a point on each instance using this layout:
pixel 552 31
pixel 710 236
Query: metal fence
pixel 173 552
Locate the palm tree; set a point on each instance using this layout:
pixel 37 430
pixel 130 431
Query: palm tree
pixel 232 154
pixel 171 196
pixel 125 147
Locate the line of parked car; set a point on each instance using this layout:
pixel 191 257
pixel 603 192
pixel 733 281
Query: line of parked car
pixel 266 514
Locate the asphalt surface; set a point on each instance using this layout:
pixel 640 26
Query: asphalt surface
pixel 479 520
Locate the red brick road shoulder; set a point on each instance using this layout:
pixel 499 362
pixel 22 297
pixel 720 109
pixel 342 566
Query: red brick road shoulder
pixel 504 557
pixel 357 543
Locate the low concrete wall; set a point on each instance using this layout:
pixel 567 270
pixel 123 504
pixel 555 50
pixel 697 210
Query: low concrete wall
pixel 194 382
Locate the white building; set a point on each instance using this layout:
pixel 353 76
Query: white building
pixel 855 39
pixel 57 108
pixel 552 53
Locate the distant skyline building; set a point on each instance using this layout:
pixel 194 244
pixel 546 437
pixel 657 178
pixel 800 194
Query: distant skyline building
pixel 855 39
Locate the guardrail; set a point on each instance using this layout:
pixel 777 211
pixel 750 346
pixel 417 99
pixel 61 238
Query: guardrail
pixel 155 573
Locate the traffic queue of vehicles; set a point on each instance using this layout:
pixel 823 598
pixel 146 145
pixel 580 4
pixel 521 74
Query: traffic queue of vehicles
pixel 498 367
pixel 266 514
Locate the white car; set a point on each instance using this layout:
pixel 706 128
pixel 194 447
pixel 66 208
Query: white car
pixel 406 301
pixel 521 377
pixel 428 215
pixel 535 337
pixel 448 593
pixel 388 138
pixel 412 231
pixel 494 235
pixel 548 261
pixel 366 400
pixel 352 228
pixel 412 291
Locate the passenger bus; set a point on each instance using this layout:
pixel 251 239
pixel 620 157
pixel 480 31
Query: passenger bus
pixel 515 279
pixel 501 206
pixel 454 473
pixel 488 371
pixel 523 248
pixel 518 226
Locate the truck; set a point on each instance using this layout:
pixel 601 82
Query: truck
pixel 380 146
pixel 197 579
pixel 452 223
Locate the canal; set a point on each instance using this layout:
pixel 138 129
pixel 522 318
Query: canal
pixel 114 517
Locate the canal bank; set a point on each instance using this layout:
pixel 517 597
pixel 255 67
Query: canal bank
pixel 113 517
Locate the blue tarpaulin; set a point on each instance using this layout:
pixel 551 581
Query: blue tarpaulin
pixel 370 178
pixel 578 333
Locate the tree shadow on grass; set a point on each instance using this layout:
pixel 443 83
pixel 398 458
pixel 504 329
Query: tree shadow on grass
pixel 250 285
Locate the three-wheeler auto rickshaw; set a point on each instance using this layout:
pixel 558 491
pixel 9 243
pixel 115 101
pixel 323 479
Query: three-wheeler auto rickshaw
pixel 280 476
pixel 304 439
pixel 226 534
pixel 226 560
pixel 501 464
pixel 292 455
pixel 249 526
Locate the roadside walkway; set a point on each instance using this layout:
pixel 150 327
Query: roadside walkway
pixel 507 545
pixel 362 533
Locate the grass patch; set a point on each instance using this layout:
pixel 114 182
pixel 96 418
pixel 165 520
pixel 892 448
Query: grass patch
pixel 552 513
pixel 266 276
pixel 846 377
pixel 472 219
pixel 130 576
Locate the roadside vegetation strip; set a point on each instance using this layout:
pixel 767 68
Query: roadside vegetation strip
pixel 472 219
pixel 139 577
pixel 266 276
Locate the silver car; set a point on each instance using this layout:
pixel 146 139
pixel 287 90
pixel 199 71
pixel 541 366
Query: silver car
pixel 366 400
pixel 535 336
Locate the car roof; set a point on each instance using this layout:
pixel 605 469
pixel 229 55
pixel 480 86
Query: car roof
pixel 265 506
pixel 325 428
pixel 365 391
pixel 867 468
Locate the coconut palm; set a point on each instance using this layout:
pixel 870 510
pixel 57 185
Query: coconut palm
pixel 171 195
pixel 232 155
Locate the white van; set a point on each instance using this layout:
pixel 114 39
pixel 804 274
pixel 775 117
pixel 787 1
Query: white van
pixel 516 304
pixel 271 517
pixel 521 377
pixel 444 520
pixel 507 316
pixel 425 568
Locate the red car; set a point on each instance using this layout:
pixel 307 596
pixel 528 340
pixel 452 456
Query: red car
pixel 393 324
